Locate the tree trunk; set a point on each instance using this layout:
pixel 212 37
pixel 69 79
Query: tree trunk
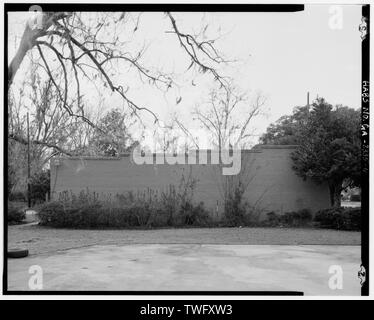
pixel 335 194
pixel 27 42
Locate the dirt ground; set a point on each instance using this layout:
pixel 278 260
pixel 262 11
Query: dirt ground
pixel 39 239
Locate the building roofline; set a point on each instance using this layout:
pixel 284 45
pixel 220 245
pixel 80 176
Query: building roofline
pixel 256 149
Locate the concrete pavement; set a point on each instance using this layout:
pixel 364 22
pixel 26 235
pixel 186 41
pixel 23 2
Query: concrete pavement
pixel 186 267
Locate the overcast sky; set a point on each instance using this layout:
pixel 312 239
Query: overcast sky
pixel 283 55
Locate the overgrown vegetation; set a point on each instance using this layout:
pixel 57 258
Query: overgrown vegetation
pixel 339 218
pixel 237 211
pixel 355 197
pixel 174 208
pixel 16 212
pixel 332 218
pixel 18 196
pixel 40 186
pixel 147 209
pixel 300 218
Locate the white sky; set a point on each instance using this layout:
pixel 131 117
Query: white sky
pixel 283 55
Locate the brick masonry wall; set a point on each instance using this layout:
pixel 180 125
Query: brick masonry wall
pixel 272 184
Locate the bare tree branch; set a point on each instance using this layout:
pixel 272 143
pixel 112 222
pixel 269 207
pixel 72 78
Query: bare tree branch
pixel 99 66
pixel 193 47
pixel 225 119
pixel 186 131
pixel 43 143
pixel 28 40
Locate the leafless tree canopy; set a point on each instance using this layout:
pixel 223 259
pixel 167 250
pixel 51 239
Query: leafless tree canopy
pixel 227 116
pixel 74 47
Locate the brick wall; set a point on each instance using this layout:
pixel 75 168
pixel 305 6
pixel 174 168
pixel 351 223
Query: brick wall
pixel 272 184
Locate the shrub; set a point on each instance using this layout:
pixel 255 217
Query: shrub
pixel 196 216
pixel 339 218
pixel 355 197
pixel 52 213
pixel 234 206
pixel 17 196
pixel 238 212
pixel 301 218
pixel 144 209
pixel 272 220
pixel 40 186
pixel 16 212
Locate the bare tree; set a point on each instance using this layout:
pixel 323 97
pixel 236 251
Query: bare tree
pixel 49 124
pixel 227 116
pixel 84 50
pixel 51 129
pixel 191 141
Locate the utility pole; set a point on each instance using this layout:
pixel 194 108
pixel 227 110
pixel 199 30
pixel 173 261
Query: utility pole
pixel 307 100
pixel 28 163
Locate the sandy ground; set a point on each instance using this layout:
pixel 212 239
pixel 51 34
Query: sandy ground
pixel 40 240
